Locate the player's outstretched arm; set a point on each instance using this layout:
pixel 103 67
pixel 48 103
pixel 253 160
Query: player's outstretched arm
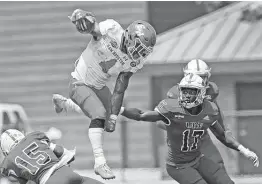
pixel 226 137
pixel 139 115
pixel 85 23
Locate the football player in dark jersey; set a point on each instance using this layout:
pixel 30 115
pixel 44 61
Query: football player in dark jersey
pixel 34 158
pixel 199 67
pixel 186 119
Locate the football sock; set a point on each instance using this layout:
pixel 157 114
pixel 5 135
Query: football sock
pixel 96 139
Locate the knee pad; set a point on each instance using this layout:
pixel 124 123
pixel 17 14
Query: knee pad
pixel 97 123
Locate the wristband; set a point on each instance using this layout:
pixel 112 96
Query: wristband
pixel 113 117
pixel 122 110
pixel 242 149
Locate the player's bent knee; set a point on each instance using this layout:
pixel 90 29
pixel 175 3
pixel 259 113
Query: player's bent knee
pixel 97 123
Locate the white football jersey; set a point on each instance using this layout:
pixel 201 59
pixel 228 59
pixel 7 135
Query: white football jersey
pixel 103 58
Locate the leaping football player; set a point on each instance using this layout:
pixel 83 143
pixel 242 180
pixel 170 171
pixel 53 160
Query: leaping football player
pixel 186 120
pixel 199 67
pixel 112 50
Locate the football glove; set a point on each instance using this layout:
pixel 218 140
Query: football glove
pixel 83 20
pixel 249 154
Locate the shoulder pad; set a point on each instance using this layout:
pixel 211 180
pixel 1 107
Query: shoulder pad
pixel 212 91
pixel 109 25
pixel 173 92
pixel 210 108
pixel 169 105
pixel 38 135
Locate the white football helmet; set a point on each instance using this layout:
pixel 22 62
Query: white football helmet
pixel 198 67
pixel 192 91
pixel 9 139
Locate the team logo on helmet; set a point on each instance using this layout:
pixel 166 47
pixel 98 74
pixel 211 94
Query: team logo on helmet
pixel 140 28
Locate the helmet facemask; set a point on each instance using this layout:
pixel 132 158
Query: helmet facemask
pixel 190 97
pixel 134 48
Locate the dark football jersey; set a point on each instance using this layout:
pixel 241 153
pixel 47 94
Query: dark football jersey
pixel 30 158
pixel 211 93
pixel 184 131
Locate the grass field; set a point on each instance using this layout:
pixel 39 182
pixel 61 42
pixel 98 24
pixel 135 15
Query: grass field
pixel 153 176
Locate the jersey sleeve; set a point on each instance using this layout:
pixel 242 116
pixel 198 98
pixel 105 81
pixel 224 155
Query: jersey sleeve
pixel 109 25
pixel 40 136
pixel 173 92
pixel 57 149
pixel 211 108
pixel 162 109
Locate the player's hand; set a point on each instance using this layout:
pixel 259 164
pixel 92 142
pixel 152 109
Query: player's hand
pixel 54 133
pixel 111 123
pixel 83 20
pixel 251 156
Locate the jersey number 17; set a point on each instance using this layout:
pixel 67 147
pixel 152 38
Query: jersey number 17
pixel 196 134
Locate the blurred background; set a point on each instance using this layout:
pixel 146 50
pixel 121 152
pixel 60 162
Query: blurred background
pixel 39 44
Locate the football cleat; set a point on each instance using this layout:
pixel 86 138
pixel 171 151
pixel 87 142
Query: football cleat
pixel 104 171
pixel 59 103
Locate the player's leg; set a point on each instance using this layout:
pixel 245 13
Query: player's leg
pixel 65 175
pixel 212 172
pixel 104 95
pixel 63 104
pixel 210 151
pixel 187 175
pixel 91 105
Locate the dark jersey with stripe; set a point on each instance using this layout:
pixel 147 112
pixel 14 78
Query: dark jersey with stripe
pixel 184 131
pixel 30 158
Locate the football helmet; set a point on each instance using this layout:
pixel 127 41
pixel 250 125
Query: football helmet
pixel 138 40
pixel 198 67
pixel 9 139
pixel 192 91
